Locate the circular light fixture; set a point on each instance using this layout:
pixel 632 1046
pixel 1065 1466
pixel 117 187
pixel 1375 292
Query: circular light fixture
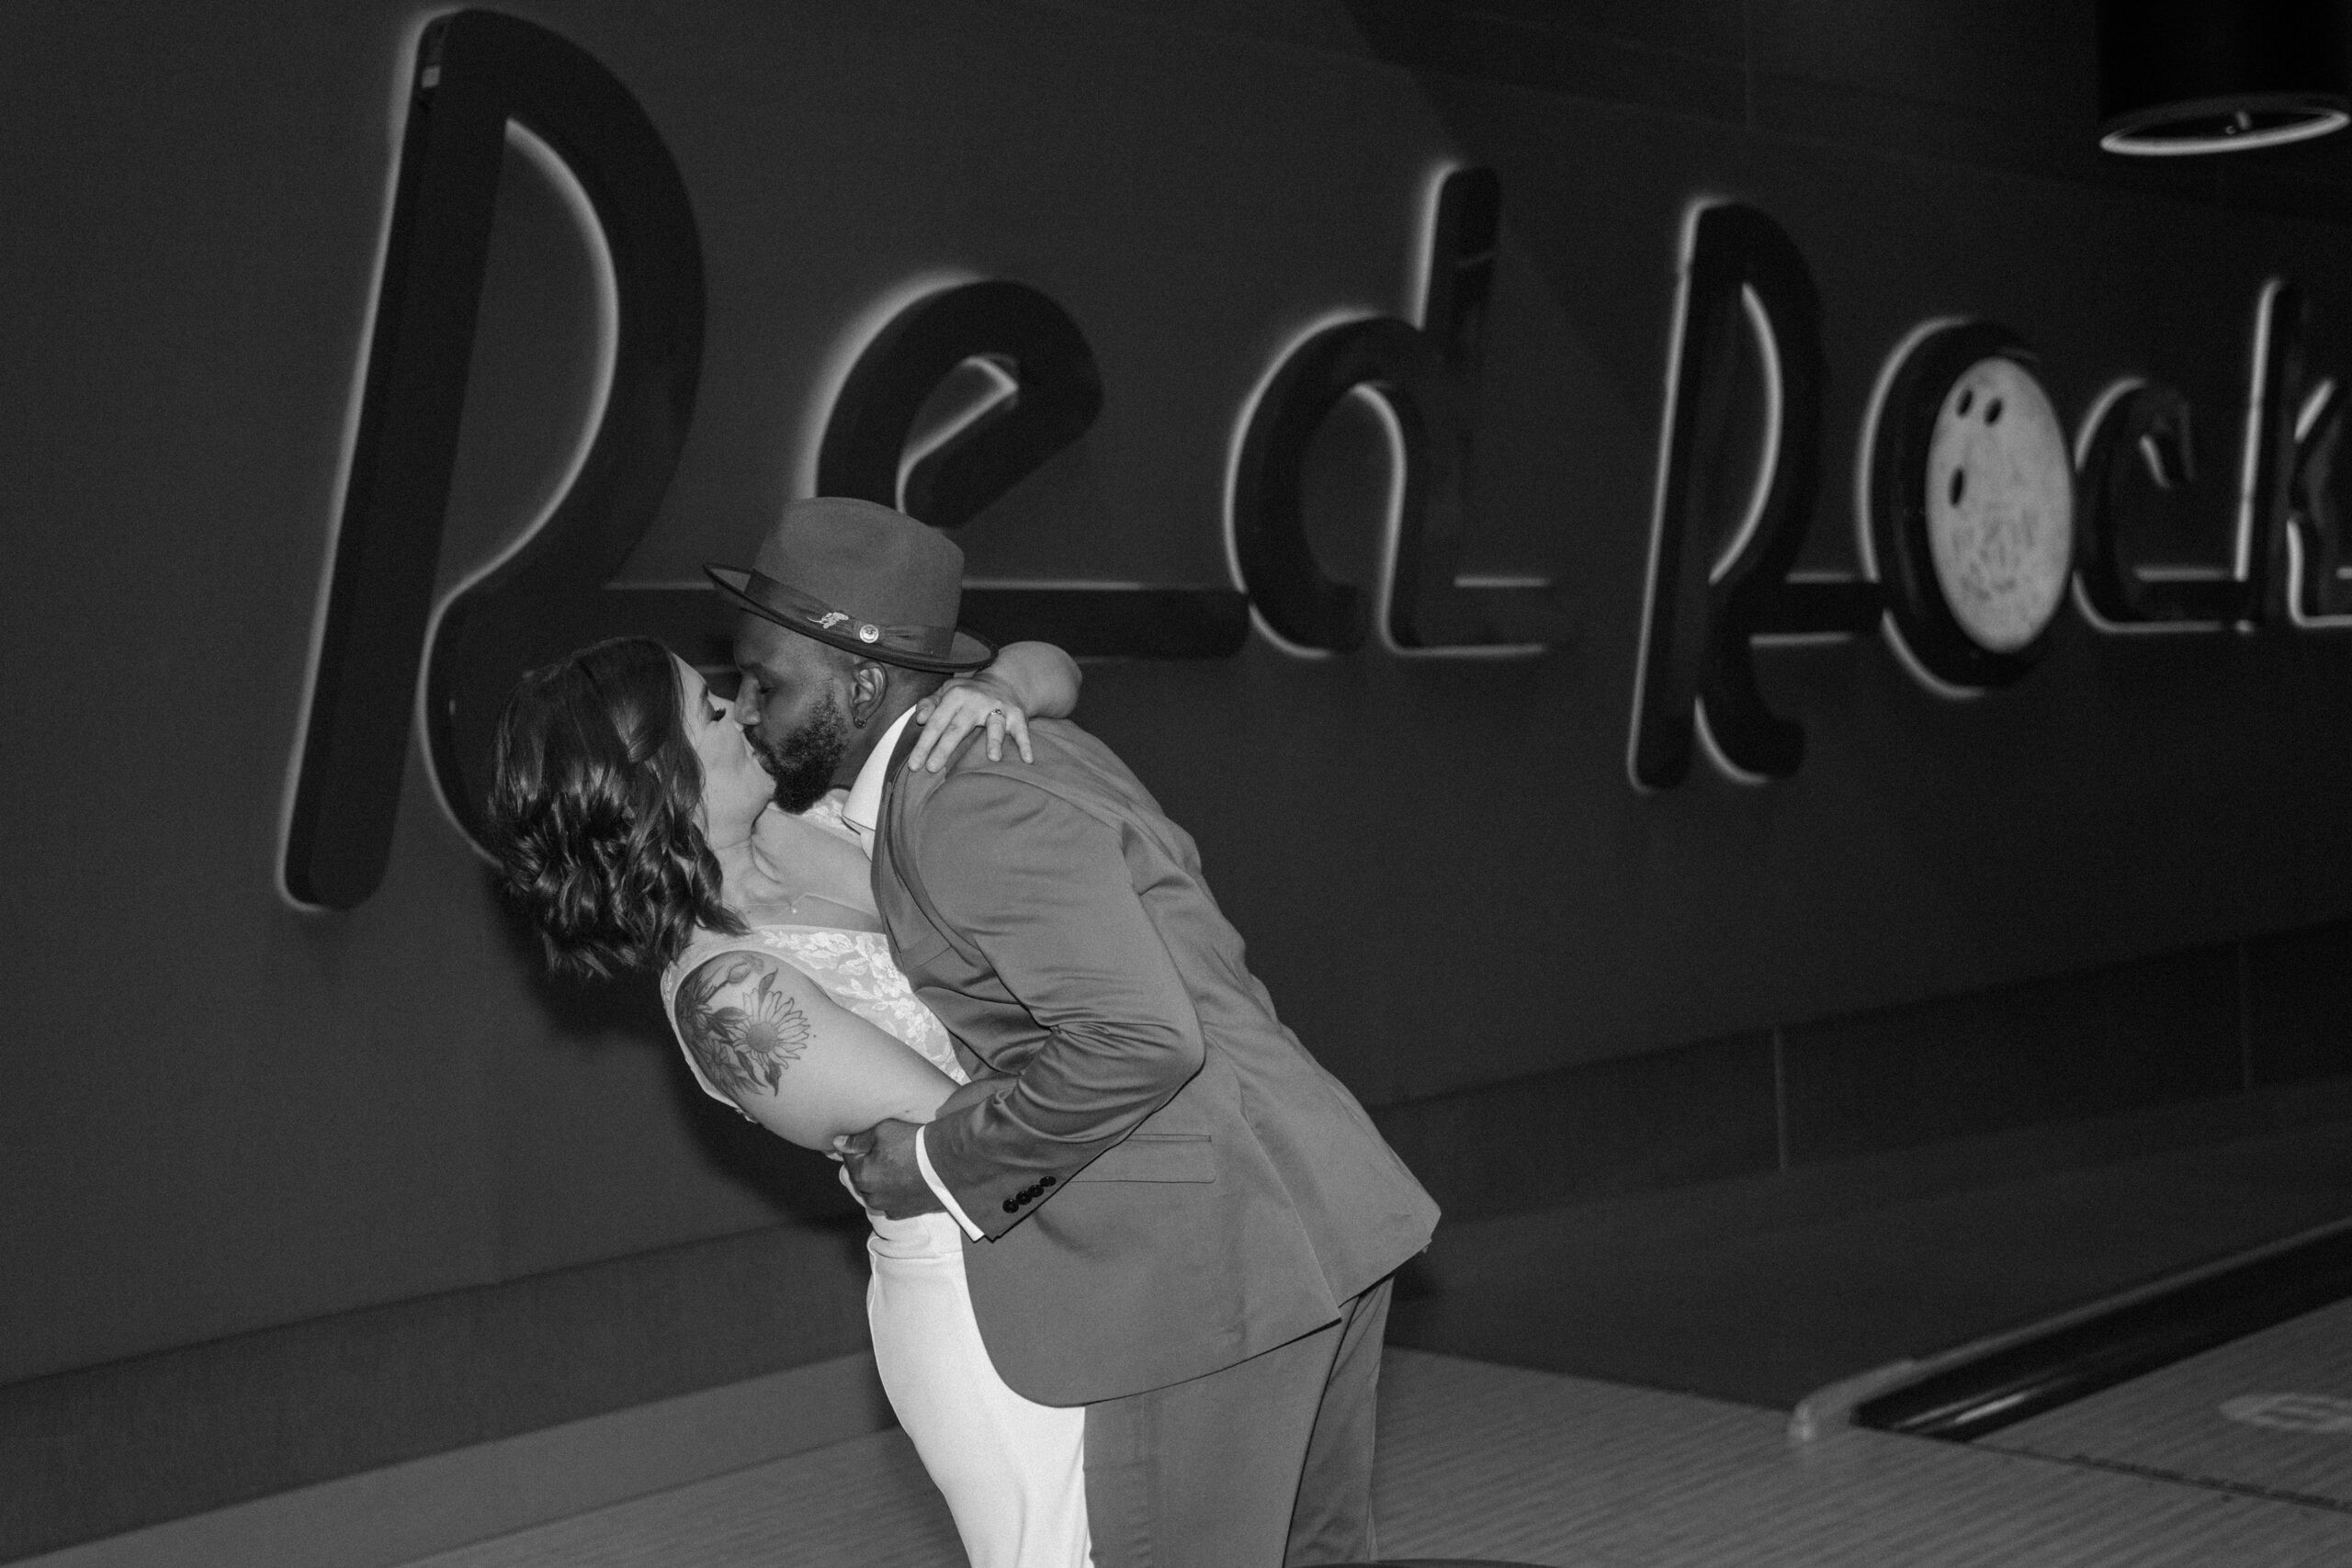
pixel 2232 126
pixel 2182 78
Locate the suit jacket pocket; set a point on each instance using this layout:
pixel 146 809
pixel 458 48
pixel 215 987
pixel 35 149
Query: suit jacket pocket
pixel 1155 1156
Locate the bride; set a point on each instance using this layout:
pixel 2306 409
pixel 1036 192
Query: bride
pixel 638 828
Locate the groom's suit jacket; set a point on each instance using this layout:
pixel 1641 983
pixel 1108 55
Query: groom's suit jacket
pixel 1169 1184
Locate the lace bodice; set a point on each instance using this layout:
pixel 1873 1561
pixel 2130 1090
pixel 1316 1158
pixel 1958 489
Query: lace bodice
pixel 854 967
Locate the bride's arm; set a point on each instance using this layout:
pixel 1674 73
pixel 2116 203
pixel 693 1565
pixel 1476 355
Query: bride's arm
pixel 1028 679
pixel 971 1093
pixel 792 1059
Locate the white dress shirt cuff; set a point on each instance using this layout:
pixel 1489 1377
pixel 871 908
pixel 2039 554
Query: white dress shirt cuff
pixel 939 1188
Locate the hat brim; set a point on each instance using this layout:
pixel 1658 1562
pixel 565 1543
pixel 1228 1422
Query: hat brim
pixel 966 654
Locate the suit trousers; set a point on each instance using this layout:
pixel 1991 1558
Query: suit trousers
pixel 1264 1464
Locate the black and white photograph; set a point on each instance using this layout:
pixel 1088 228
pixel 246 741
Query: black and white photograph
pixel 1177 783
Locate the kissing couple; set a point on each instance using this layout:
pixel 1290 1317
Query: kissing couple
pixel 1131 1243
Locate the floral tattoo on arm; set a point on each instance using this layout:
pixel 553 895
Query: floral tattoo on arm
pixel 743 1050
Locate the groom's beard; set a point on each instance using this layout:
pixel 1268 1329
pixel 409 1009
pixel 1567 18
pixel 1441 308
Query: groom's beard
pixel 804 762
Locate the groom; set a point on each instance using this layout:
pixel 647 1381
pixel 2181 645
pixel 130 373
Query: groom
pixel 1175 1217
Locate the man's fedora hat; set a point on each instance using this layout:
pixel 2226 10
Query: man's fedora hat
pixel 861 578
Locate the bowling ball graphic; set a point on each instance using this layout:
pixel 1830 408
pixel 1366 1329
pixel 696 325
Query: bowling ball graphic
pixel 1971 506
pixel 2000 505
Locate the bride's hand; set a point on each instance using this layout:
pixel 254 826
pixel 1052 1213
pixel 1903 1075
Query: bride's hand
pixel 948 714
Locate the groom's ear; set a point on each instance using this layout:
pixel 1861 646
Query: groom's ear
pixel 869 688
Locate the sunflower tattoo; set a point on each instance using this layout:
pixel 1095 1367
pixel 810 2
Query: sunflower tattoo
pixel 743 1050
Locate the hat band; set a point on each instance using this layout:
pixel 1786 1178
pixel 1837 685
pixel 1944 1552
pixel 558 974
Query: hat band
pixel 792 605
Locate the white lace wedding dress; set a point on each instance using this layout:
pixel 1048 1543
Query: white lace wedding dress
pixel 1012 1472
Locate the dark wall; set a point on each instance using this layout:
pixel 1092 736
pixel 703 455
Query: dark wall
pixel 230 1112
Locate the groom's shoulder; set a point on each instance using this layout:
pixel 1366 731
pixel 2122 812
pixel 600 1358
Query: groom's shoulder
pixel 1067 762
pixel 1061 755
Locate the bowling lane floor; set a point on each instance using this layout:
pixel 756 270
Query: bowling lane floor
pixel 1764 1290
pixel 2267 1416
pixel 1608 1385
pixel 1502 1463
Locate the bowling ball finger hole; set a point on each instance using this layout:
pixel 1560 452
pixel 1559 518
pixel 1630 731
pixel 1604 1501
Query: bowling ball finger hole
pixel 1967 398
pixel 1993 411
pixel 1959 483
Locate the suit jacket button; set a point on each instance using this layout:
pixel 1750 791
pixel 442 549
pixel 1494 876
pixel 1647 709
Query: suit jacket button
pixel 1010 1207
pixel 1044 1182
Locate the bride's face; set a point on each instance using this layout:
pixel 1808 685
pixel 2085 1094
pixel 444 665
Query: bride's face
pixel 735 787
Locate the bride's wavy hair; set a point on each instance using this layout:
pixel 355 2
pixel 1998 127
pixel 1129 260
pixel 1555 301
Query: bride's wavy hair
pixel 593 793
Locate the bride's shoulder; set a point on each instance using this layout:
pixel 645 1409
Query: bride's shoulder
pixel 800 937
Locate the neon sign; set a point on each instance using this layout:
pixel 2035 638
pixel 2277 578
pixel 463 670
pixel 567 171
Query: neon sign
pixel 475 73
pixel 1424 377
pixel 1976 524
pixel 483 78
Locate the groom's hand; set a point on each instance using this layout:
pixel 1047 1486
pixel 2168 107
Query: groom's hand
pixel 881 1162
